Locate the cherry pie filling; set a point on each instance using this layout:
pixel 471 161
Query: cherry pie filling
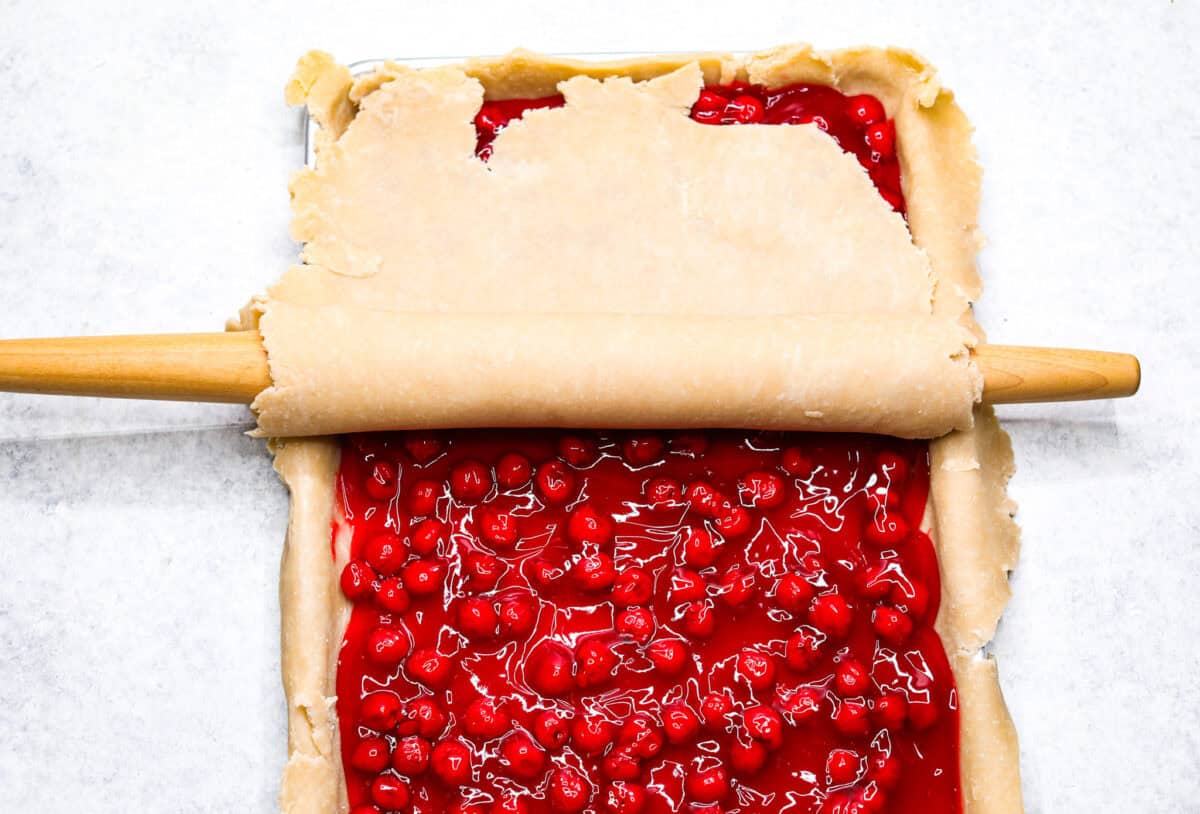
pixel 647 622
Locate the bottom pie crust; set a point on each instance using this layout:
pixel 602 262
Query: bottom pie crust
pixel 969 514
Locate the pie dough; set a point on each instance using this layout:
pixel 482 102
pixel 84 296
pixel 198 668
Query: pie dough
pixel 430 281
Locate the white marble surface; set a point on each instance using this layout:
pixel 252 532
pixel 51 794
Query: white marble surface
pixel 144 153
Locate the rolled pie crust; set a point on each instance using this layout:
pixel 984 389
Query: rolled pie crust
pixel 611 225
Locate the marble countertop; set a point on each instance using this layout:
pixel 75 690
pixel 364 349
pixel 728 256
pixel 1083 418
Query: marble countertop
pixel 144 156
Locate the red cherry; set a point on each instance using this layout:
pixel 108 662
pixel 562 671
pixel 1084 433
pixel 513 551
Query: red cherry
pixel 698 619
pixel 549 669
pixel 874 581
pixel 392 597
pixel 642 450
pixel 763 490
pixel 642 734
pixel 913 599
pixel 499 529
pixel 842 766
pixel 885 529
pixel 555 483
pixel 707 782
pixel 852 678
pixel 793 593
pixel 795 462
pixel 733 521
pixel 709 102
pixel 698 548
pixel 470 482
pixel 510 804
pixel 884 770
pixel 578 452
pixel 621 764
pixel 881 137
pixel 633 586
pixel 523 758
pixel 756 669
pixel 865 109
pixel 370 756
pixel 685 586
pixel 803 648
pixel 412 755
pixel 691 444
pixel 385 552
pixel 461 806
pixel 715 709
pixel 883 498
pixel 484 719
pixel 550 729
pixel 424 577
pixel 636 623
pixel 357 581
pixel 764 724
pixel 748 758
pixel 380 711
pixel 386 646
pixel 623 797
pixel 595 662
pixel 594 572
pixel 483 571
pixel 513 471
pixel 893 468
pixel 569 791
pixel 518 614
pixel 390 792
pixel 893 626
pixel 745 110
pixel 891 710
pixel 587 526
pixel 680 724
pixel 430 668
pixel 669 656
pixel 422 500
pixel 451 762
pixel 544 573
pixel 922 713
pixel 663 492
pixel 381 482
pixel 425 718
pixel 422 446
pixel 704 499
pixel 426 536
pixel 802 705
pixel 477 618
pixel 832 615
pixel 591 734
pixel 850 717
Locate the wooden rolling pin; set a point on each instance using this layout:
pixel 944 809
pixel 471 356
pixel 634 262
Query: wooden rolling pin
pixel 232 367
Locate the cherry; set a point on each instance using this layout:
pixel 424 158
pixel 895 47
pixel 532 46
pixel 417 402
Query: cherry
pixel 569 790
pixel 595 662
pixel 555 483
pixel 749 757
pixel 550 729
pixel 745 109
pixel 764 724
pixel 762 490
pixel 922 713
pixel 865 109
pixel 591 734
pixel 485 719
pixel 594 573
pixel 549 669
pixel 884 770
pixel 387 646
pixel 707 782
pixel 852 678
pixel 680 724
pixel 578 452
pixel 513 471
pixel 704 499
pixel 499 529
pixel 451 762
pixel 370 756
pixel 850 717
pixel 698 548
pixel 642 450
pixel 709 102
pixel 380 711
pixel 545 573
pixel 477 618
pixel 881 137
pixel 430 668
pixel 523 758
pixel 483 570
pixel 425 718
pixel 412 755
pixel 381 482
pixel 392 597
pixel 698 619
pixel 587 526
pixel 892 467
pixel 802 705
pixel 803 648
pixel 633 586
pixel 891 710
pixel 390 792
pixel 642 734
pixel 470 482
pixel 756 669
pixel 874 581
pixel 669 656
pixel 795 462
pixel 885 529
pixel 793 593
pixel 623 797
pixel 913 599
pixel 733 521
pixel 685 586
pixel 691 444
pixel 715 708
pixel 422 446
pixel 385 552
pixel 663 492
pixel 357 581
pixel 621 764
pixel 510 804
pixel 842 766
pixel 893 626
pixel 426 536
pixel 831 614
pixel 424 577
pixel 869 799
pixel 518 614
pixel 636 623
pixel 422 500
